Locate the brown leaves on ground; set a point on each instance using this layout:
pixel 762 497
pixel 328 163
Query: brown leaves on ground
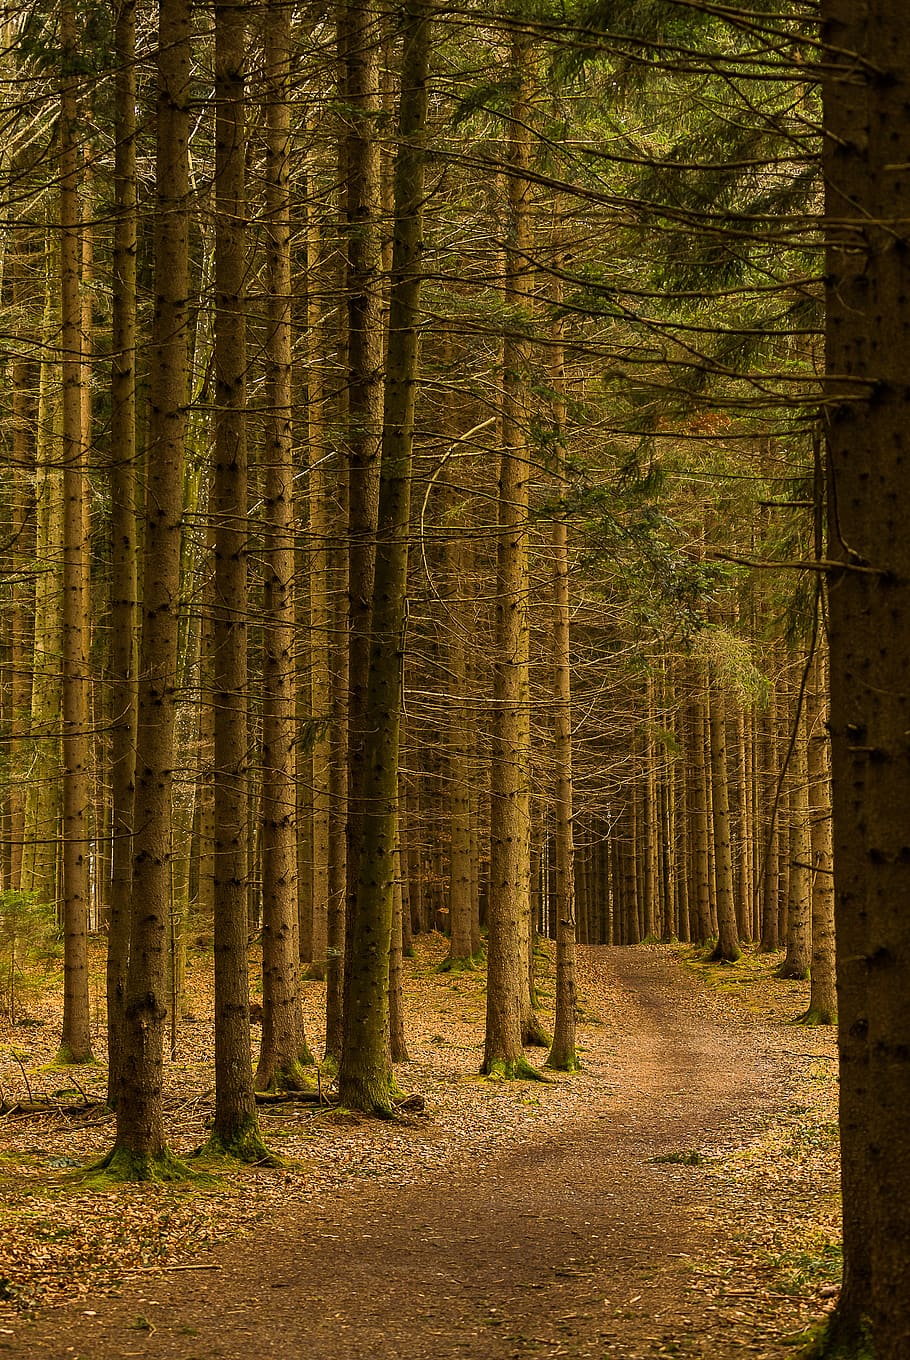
pixel 768 1193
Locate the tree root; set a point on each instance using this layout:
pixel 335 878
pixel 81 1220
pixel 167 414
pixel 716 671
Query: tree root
pixel 519 1070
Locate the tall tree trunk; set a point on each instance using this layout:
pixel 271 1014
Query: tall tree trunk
pixel 235 1131
pixel 563 1055
pixel 140 1150
pixel 75 1043
pixel 359 41
pixel 364 1077
pixel 42 809
pixel 124 585
pixel 320 611
pixel 866 51
pixel 508 908
pixel 283 1044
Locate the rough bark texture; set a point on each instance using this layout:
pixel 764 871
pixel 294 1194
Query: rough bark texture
pixel 509 904
pixel 235 1127
pixel 359 66
pixel 364 1075
pixel 75 1043
pixel 867 414
pixel 563 1055
pixel 283 1045
pixel 140 1148
pixel 123 589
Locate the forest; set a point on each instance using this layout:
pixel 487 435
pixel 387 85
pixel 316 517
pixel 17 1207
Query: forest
pixel 451 484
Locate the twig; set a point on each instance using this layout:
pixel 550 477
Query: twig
pixel 24 1075
pixel 207 1267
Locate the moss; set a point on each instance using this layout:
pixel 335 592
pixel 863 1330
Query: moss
pixel 519 1070
pixel 837 1340
pixel 533 1033
pixel 290 1077
pixel 816 1017
pixel 461 965
pixel 571 1063
pixel 122 1165
pixel 67 1058
pixel 243 1144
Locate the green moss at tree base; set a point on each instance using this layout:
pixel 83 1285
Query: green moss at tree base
pixel 244 1144
pixel 816 1017
pixel 519 1070
pixel 67 1058
pixel 563 1062
pixel 123 1166
pixel 469 964
pixel 533 1033
pixel 290 1077
pixel 719 955
pixel 836 1340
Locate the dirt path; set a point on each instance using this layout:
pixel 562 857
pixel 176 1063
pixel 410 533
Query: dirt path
pixel 580 1245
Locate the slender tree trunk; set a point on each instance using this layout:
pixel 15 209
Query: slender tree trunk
pixel 727 947
pixel 75 1043
pixel 42 809
pixel 124 585
pixel 283 1046
pixel 822 1008
pixel 700 919
pixel 320 607
pixel 508 907
pixel 359 34
pixel 364 1077
pixel 799 884
pixel 235 1130
pixel 563 1055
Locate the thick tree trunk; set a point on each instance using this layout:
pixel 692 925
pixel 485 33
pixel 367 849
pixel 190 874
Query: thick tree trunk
pixel 140 1149
pixel 867 412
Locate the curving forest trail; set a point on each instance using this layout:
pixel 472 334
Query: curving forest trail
pixel 581 1244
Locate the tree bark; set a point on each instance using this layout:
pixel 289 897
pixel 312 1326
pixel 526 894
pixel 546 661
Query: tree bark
pixel 866 49
pixel 124 584
pixel 140 1150
pixel 235 1131
pixel 364 1080
pixel 283 1047
pixel 75 1042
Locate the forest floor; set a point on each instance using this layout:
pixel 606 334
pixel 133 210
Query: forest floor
pixel 678 1197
